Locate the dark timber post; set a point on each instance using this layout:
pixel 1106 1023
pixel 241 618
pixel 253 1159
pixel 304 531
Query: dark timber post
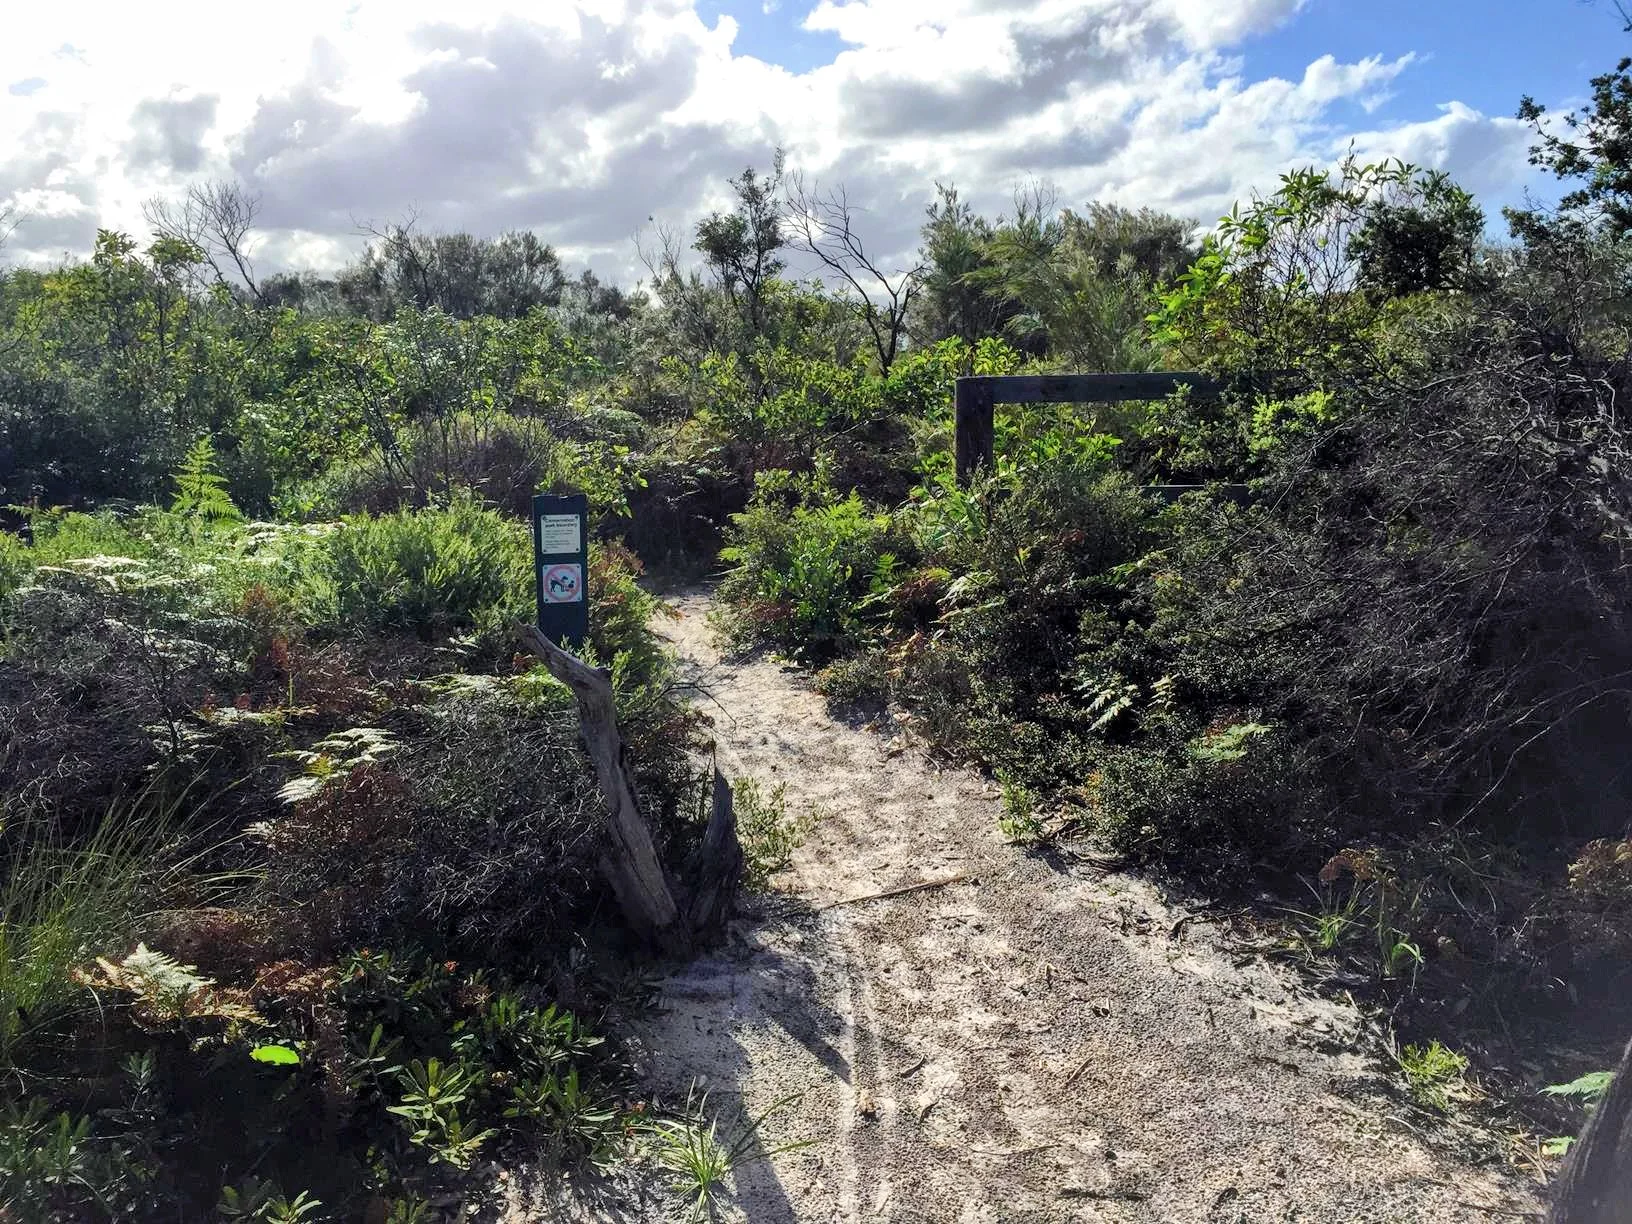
pixel 1597 1186
pixel 972 426
pixel 974 397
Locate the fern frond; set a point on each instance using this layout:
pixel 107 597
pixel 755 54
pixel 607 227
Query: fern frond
pixel 201 490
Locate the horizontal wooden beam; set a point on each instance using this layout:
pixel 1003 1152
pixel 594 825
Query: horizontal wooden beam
pixel 1084 388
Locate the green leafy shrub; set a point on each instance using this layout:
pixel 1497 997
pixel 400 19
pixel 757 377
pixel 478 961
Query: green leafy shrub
pixel 53 1168
pixel 768 831
pixel 415 1065
pixel 858 680
pixel 804 561
pixel 498 457
pixel 431 571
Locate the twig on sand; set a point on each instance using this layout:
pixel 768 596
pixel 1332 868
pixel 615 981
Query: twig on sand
pixel 921 886
pixel 1041 1147
pixel 1081 1067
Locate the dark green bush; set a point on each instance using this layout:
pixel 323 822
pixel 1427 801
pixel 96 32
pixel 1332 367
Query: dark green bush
pixel 499 458
pixel 431 571
pixel 805 560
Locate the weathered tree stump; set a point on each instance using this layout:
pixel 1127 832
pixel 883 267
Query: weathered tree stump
pixel 652 904
pixel 630 862
pixel 1597 1185
pixel 715 868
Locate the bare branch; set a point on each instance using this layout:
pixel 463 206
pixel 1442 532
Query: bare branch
pixel 823 225
pixel 219 219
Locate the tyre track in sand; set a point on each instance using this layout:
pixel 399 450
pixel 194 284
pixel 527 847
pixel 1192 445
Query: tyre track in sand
pixel 1035 1042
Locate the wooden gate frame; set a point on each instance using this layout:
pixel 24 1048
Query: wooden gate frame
pixel 975 398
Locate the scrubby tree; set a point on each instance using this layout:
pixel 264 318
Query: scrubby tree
pixel 953 302
pixel 1085 279
pixel 1427 241
pixel 218 220
pixel 459 274
pixel 741 247
pixel 1593 149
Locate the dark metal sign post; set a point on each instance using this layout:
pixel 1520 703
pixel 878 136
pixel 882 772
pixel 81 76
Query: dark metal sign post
pixel 561 567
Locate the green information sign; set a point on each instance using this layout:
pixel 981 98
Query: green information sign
pixel 561 565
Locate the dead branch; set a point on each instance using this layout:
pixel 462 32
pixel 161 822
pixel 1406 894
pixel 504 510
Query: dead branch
pixel 823 224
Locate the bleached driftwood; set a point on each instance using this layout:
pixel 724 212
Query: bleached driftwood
pixel 652 902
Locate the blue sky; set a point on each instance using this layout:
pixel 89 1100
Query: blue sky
pixel 589 120
pixel 1485 54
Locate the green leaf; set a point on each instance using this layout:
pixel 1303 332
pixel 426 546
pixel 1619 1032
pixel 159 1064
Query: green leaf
pixel 1590 1087
pixel 277 1055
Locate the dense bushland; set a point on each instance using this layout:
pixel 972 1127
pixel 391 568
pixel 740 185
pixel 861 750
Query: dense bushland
pixel 296 844
pixel 238 755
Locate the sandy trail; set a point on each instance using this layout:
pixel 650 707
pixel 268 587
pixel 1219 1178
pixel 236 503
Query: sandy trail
pixel 1037 1042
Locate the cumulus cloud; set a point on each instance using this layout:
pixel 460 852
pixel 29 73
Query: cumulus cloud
pixel 1481 150
pixel 169 132
pixel 582 118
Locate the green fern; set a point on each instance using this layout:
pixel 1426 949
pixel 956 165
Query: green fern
pixel 201 490
pixel 1109 699
pixel 1589 1089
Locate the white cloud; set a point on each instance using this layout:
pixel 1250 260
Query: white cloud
pixel 1481 151
pixel 583 117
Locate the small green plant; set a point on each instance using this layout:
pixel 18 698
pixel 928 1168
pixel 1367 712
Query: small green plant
pixel 262 1202
pixel 1230 744
pixel 1019 821
pixel 580 1120
pixel 769 833
pixel 1431 1071
pixel 1397 951
pixel 689 1148
pixel 201 490
pixel 432 1092
pixel 1372 901
pixel 52 1167
pixel 410 1210
pixel 1324 931
pixel 1586 1090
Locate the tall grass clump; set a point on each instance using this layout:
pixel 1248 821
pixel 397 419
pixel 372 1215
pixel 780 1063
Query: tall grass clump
pixel 65 900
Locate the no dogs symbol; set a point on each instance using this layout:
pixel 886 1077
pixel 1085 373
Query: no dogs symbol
pixel 564 584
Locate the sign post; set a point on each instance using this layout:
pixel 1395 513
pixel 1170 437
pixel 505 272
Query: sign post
pixel 561 566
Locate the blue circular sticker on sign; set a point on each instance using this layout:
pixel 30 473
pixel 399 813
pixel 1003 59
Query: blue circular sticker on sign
pixel 563 584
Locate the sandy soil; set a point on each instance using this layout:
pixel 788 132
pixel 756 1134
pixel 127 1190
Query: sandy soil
pixel 1037 1041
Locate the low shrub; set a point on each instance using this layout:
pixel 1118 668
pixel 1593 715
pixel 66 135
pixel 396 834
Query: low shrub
pixel 499 458
pixel 768 831
pixel 407 1068
pixel 432 571
pixel 805 560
